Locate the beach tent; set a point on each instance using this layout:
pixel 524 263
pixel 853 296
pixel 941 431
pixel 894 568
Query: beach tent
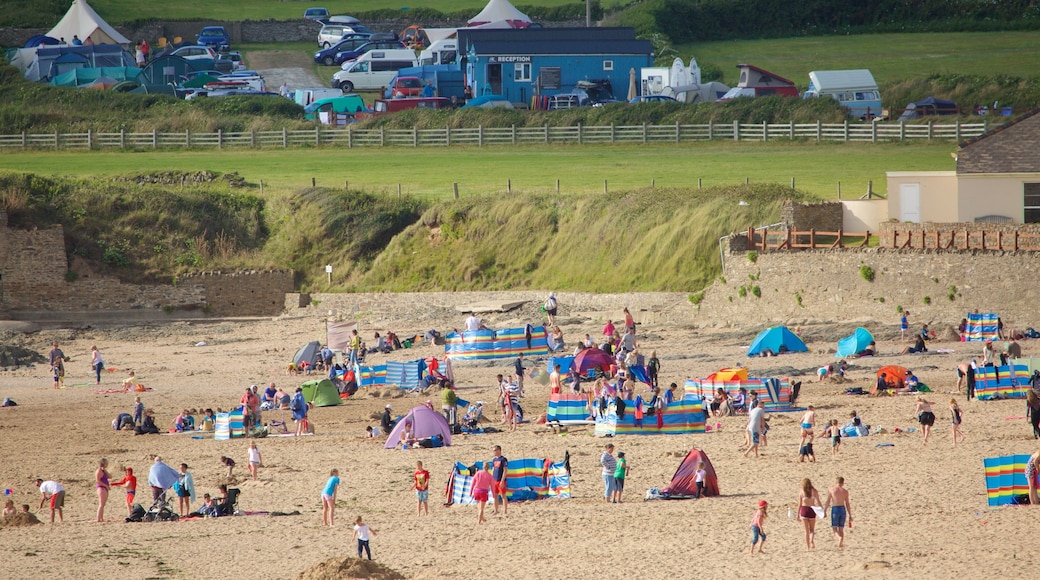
pixel 593 358
pixel 39 40
pixel 982 327
pixel 895 377
pixel 308 353
pixel 683 484
pixel 565 363
pixel 929 106
pixel 723 375
pixel 82 21
pixel 81 77
pixel 425 423
pixel 322 393
pixel 777 339
pixel 498 11
pixel 855 343
pixel 39 61
pixel 1006 481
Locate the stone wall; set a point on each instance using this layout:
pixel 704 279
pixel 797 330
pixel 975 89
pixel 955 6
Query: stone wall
pixel 34 266
pixel 824 216
pixel 826 285
pixel 243 293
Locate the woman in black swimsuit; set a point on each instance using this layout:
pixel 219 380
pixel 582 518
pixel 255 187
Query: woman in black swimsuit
pixel 925 416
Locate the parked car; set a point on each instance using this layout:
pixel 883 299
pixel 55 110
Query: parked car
pixel 353 54
pixel 652 99
pixel 214 36
pixel 327 56
pixel 332 33
pixel 236 59
pixel 406 87
pixel 204 53
pixel 585 94
pixel 316 13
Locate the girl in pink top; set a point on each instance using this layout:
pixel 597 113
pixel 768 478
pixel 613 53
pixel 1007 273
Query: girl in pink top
pixel 757 522
pixel 481 489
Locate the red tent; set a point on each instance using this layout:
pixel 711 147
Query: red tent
pixel 684 484
pixel 591 358
pixel 895 377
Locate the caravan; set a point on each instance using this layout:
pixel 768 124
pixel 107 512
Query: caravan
pixel 440 52
pixel 856 90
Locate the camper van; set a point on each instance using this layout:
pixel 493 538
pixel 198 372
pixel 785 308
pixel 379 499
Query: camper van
pixel 374 69
pixel 304 97
pixel 856 90
pixel 441 52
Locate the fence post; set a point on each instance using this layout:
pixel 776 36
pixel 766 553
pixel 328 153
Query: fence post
pixel 557 187
pixel 676 131
pixel 612 132
pixel 447 135
pixel 398 191
pixel 415 136
pixel 25 139
pixel 514 133
pixel 839 190
pixel 547 132
pixel 840 245
pixel 382 136
pixel 455 189
pixel 929 130
pixel 480 135
pixel 1016 240
pixel 791 125
pixel 509 186
pixel 122 138
pixel 736 130
pixel 698 183
pixel 579 133
pixel 90 139
pixel 792 184
pixel 846 130
pixel 604 187
pixel 711 130
pixel 902 130
pixel 765 131
pixel 317 136
pixel 873 132
pixel 55 140
pixel 812 238
pixel 1000 240
pixel 220 138
pixel 285 138
pixel 187 138
pixel 155 139
pixel 957 129
pixel 983 232
pixel 644 132
pixel 819 130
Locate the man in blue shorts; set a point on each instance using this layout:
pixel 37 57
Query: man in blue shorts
pixel 841 509
pixel 500 465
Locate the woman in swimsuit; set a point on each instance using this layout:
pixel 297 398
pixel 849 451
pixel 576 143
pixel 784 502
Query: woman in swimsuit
pixel 807 498
pixel 925 416
pixel 956 418
pixel 101 481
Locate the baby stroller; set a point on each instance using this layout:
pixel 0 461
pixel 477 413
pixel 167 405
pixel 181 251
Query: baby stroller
pixel 471 420
pixel 161 476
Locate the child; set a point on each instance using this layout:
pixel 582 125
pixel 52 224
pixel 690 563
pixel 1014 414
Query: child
pixel 130 482
pixel 956 418
pixel 806 451
pixel 138 409
pixel 699 479
pixel 422 488
pixel 757 522
pixel 834 432
pixel 372 432
pixel 620 473
pixel 361 534
pixel 638 411
pixel 328 498
pixel 808 423
pixel 209 421
pixel 185 490
pixel 482 482
pixel 255 460
pixel 25 508
pixel 9 509
pixel 229 463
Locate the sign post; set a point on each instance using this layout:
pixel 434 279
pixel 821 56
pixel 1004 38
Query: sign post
pixel 328 271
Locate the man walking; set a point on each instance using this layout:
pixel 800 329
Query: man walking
pixel 841 509
pixel 609 463
pixel 756 423
pixel 500 466
pixel 518 365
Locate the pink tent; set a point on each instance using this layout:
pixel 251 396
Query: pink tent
pixel 425 423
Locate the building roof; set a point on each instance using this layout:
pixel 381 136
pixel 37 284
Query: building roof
pixel 1009 148
pixel 555 41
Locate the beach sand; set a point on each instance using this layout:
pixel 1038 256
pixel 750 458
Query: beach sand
pixel 917 510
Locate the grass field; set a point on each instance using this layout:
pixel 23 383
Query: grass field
pixel 891 57
pixel 817 169
pixel 117 11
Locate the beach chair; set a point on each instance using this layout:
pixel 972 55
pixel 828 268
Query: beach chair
pixel 161 43
pixel 228 506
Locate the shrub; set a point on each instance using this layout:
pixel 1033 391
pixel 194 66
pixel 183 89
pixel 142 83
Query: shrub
pixel 696 298
pixel 899 309
pixel 756 291
pixel 798 299
pixel 927 300
pixel 752 256
pixel 71 276
pixel 742 291
pixel 881 299
pixel 867 273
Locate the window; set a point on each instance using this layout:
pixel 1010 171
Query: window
pixel 608 65
pixel 522 72
pixel 1031 201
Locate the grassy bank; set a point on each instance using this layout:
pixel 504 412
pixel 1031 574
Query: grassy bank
pixel 430 172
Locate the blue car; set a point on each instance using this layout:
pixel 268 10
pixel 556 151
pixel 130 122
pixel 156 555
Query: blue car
pixel 351 54
pixel 214 36
pixel 327 56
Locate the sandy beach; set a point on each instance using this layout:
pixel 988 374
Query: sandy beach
pixel 918 510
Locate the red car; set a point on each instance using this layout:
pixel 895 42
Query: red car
pixel 406 87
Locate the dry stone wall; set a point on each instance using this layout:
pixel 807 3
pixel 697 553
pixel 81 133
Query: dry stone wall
pixel 243 293
pixel 806 287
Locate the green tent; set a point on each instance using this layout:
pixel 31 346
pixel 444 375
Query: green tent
pixel 322 393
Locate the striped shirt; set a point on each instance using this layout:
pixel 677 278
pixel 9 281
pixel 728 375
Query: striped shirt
pixel 609 463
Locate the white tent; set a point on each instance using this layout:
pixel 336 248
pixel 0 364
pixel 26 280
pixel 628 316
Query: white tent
pixel 500 10
pixel 82 21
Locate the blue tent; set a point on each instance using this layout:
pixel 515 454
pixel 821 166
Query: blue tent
pixel 851 345
pixel 777 339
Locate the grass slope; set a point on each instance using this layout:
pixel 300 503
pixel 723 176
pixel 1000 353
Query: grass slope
pixel 430 172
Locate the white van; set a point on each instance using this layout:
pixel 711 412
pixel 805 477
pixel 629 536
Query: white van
pixel 374 69
pixel 856 90
pixel 443 51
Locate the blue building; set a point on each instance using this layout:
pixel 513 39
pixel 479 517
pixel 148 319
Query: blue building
pixel 522 64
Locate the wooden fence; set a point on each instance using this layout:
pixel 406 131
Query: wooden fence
pixel 490 136
pixel 790 239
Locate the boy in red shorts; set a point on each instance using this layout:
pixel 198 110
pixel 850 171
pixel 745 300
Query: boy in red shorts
pixel 498 474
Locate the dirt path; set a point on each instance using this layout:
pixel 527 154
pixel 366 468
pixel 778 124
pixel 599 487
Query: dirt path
pixel 278 66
